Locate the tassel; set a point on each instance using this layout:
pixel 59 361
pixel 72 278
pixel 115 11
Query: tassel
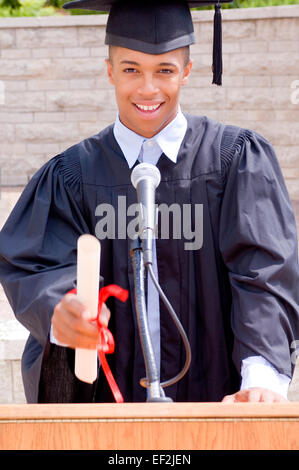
pixel 217 47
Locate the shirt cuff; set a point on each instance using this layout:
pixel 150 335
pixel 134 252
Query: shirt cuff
pixel 258 372
pixel 54 340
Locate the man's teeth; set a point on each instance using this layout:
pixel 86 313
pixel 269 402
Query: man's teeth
pixel 148 108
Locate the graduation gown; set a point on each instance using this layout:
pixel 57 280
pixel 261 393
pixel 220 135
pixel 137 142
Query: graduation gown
pixel 236 296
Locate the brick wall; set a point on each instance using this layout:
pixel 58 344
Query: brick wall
pixel 54 92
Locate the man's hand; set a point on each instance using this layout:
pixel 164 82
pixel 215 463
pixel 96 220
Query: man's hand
pixel 72 323
pixel 254 395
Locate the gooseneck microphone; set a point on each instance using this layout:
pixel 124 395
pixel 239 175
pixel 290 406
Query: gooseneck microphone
pixel 145 178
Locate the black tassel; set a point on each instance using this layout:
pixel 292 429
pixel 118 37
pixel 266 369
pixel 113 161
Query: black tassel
pixel 217 47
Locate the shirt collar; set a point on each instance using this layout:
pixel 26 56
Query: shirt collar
pixel 169 139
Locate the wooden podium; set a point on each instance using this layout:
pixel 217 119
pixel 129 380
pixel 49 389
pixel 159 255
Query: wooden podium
pixel 150 426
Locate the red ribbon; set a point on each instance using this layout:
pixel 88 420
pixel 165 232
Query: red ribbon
pixel 107 345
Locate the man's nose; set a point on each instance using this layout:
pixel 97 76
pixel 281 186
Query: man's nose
pixel 148 86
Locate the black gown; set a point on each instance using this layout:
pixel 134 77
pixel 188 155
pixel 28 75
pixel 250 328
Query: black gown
pixel 236 296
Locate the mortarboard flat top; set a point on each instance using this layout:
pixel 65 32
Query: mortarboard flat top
pixel 154 26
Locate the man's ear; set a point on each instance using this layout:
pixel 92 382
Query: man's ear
pixel 187 71
pixel 110 71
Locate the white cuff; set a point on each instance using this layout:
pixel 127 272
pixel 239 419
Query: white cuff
pixel 54 340
pixel 258 372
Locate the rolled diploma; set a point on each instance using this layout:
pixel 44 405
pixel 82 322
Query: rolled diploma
pixel 88 276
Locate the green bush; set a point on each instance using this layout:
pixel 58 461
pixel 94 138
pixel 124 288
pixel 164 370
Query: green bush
pixel 263 3
pixel 10 8
pixel 58 4
pixel 254 4
pixel 38 8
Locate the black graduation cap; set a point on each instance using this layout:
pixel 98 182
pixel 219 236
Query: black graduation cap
pixel 155 26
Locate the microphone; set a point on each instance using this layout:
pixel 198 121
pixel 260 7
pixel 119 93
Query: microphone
pixel 145 178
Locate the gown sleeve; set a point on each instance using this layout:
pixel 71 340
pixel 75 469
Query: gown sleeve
pixel 258 242
pixel 38 244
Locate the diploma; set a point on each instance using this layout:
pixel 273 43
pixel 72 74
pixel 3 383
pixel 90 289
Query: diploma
pixel 88 276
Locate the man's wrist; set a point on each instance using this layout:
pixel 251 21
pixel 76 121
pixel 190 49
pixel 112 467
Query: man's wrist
pixel 258 372
pixel 54 340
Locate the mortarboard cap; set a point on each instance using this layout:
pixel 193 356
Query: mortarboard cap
pixel 155 26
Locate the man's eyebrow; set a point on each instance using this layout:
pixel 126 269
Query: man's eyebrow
pixel 164 64
pixel 167 64
pixel 131 62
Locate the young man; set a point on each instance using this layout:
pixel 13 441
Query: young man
pixel 236 293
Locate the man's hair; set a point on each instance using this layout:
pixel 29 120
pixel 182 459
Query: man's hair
pixel 185 52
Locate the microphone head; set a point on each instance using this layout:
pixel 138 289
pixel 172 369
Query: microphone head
pixel 145 171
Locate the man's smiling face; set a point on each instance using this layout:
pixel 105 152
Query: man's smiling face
pixel 147 87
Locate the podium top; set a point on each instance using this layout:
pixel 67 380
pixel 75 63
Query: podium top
pixel 163 411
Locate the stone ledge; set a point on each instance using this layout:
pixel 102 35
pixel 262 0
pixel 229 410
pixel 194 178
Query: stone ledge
pixel 261 13
pixel 238 14
pixel 53 21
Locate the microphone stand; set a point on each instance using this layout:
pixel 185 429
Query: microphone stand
pixel 145 178
pixel 152 380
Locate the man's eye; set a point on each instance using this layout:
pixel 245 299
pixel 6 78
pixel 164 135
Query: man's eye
pixel 166 71
pixel 130 70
